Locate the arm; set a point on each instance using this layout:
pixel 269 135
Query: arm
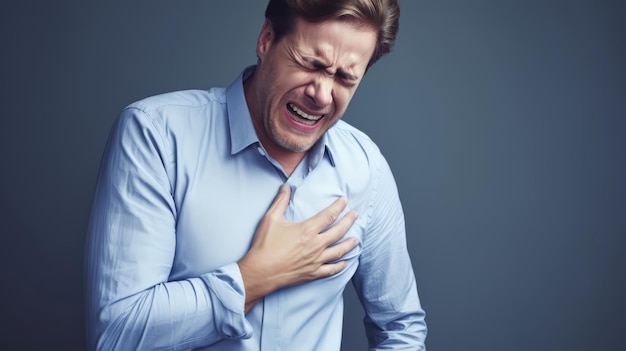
pixel 384 281
pixel 130 247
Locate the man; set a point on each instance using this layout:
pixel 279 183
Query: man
pixel 189 247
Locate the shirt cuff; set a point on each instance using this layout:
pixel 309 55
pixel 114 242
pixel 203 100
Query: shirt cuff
pixel 227 294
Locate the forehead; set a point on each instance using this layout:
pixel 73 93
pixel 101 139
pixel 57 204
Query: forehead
pixel 335 42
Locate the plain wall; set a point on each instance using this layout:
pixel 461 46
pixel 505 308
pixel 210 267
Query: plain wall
pixel 503 121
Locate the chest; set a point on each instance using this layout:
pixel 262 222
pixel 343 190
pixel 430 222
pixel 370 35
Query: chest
pixel 219 209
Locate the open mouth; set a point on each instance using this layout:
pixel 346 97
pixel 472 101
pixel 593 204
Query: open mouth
pixel 302 117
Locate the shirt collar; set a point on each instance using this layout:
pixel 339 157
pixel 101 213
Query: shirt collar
pixel 242 132
pixel 317 152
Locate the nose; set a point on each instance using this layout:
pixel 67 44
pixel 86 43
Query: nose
pixel 320 90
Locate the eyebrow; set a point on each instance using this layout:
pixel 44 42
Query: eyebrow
pixel 340 72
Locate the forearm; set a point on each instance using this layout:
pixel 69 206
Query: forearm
pixel 397 331
pixel 395 321
pixel 255 290
pixel 175 315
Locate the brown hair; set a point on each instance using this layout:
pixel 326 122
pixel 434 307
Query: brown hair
pixel 381 15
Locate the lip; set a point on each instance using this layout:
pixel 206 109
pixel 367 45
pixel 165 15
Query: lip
pixel 305 128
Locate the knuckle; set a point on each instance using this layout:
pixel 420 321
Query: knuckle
pixel 339 252
pixel 338 267
pixel 328 270
pixel 331 217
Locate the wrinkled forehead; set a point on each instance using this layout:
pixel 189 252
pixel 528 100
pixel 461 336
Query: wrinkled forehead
pixel 335 42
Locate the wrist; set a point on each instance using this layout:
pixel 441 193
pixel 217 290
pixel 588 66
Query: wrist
pixel 256 282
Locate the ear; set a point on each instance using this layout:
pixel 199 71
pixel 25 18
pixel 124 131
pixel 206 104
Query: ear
pixel 266 39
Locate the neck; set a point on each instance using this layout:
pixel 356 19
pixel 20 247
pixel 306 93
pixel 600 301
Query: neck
pixel 288 160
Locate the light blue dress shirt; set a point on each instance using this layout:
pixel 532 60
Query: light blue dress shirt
pixel 183 184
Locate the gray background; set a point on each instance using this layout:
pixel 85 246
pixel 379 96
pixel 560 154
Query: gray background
pixel 504 123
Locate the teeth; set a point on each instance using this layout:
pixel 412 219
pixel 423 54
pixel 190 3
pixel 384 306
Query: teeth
pixel 304 114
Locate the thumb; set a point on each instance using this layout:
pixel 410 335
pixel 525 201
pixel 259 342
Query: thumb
pixel 281 201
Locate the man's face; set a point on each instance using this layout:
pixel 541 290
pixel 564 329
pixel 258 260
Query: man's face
pixel 306 80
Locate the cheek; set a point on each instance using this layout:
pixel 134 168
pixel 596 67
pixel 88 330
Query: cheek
pixel 286 88
pixel 342 99
pixel 291 77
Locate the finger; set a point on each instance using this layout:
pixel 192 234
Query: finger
pixel 330 269
pixel 337 252
pixel 327 216
pixel 339 230
pixel 281 201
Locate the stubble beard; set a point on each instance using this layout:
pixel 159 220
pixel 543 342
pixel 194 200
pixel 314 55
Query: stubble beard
pixel 273 133
pixel 283 140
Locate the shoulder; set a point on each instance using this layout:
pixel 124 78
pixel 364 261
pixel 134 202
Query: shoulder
pixel 348 142
pixel 183 101
pixel 177 109
pixel 357 158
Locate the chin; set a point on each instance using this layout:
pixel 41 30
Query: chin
pixel 295 145
pixel 299 147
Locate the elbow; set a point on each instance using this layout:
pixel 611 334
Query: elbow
pixel 115 333
pixel 118 326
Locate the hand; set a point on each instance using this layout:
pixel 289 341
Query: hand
pixel 285 254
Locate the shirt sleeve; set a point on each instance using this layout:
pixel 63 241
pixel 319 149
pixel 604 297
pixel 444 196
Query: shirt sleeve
pixel 385 281
pixel 130 248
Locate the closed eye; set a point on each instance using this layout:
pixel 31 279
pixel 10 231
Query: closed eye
pixel 346 77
